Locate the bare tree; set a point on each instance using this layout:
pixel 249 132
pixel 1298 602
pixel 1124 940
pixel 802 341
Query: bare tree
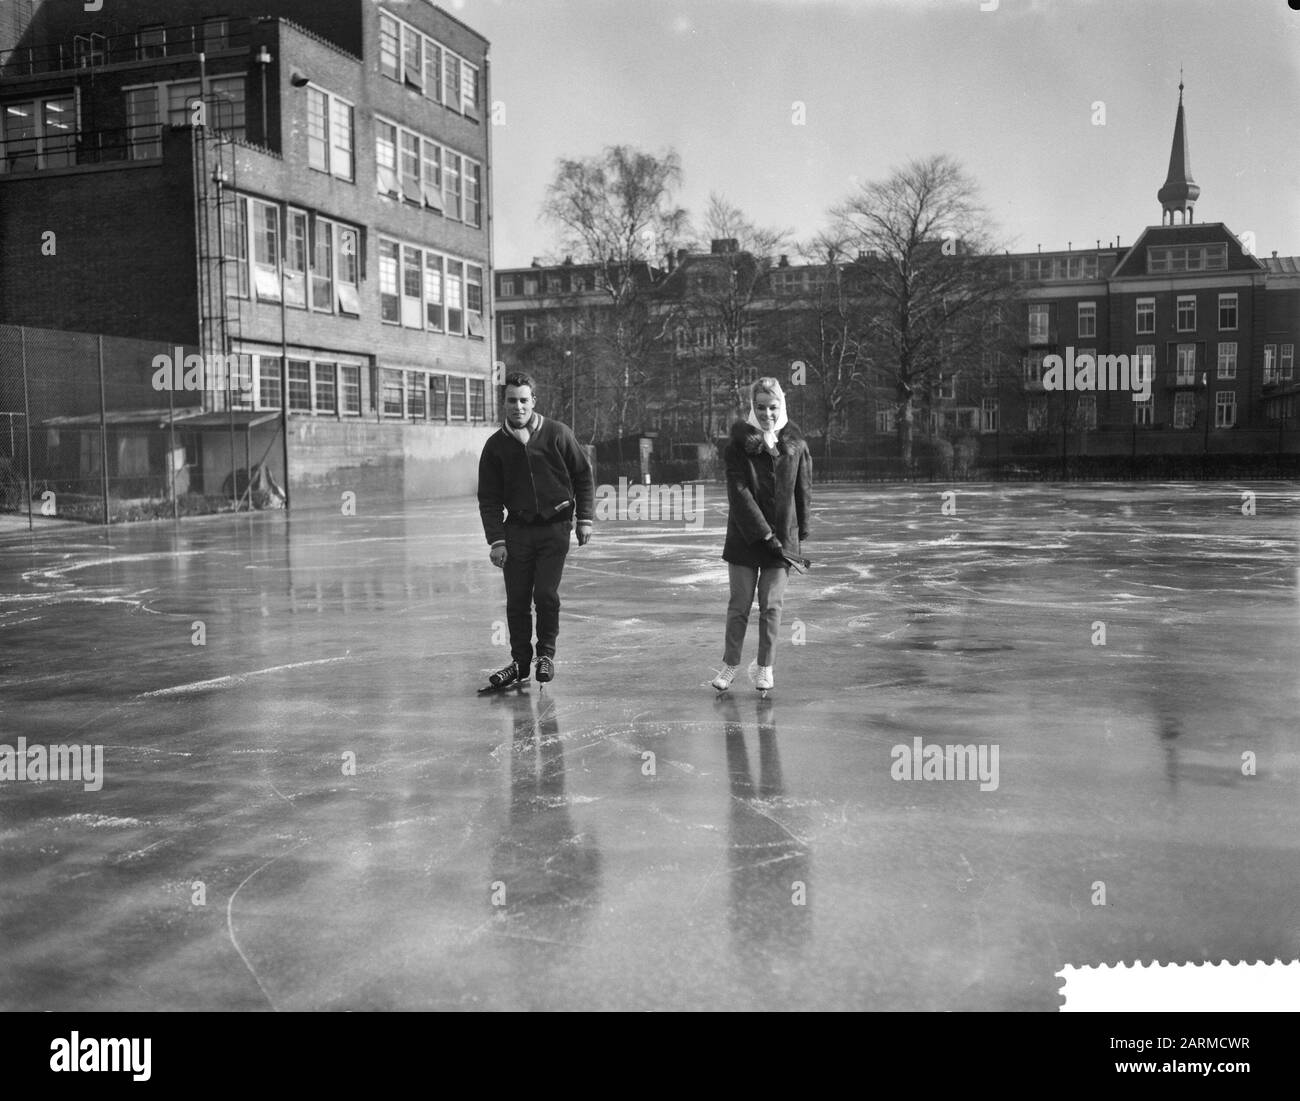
pixel 928 264
pixel 616 211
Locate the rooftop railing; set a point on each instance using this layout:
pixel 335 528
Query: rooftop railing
pixel 86 51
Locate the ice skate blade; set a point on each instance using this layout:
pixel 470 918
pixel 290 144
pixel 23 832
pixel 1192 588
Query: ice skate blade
pixel 493 689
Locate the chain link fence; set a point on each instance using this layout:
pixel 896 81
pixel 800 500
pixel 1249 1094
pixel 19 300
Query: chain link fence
pixel 85 434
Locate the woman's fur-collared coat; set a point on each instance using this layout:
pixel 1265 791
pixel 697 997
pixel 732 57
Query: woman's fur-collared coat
pixel 769 492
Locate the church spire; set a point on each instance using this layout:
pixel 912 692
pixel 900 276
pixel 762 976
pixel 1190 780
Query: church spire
pixel 1179 194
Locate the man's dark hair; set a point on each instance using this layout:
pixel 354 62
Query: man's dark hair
pixel 518 378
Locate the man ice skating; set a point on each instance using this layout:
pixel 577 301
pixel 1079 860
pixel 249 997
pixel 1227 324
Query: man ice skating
pixel 533 480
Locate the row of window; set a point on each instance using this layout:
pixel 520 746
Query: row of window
pixel 423 289
pixel 1048 268
pixel 1279 362
pixel 1187 258
pixel 422 171
pixel 554 283
pixel 322 387
pixel 315 259
pixel 413 58
pixel 1145 320
pixel 1083 416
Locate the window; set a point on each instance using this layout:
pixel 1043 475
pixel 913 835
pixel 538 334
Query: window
pixel 386 157
pixel 1188 258
pixel 451 184
pixel 409 165
pixel 330 125
pixel 987 373
pixel 1185 372
pixel 216 34
pixel 1087 319
pixel 350 389
pixel 1287 364
pixel 474 299
pixel 234 230
pixel 468 89
pixel 433 70
pixel 268 382
pixel 885 421
pixel 530 328
pixel 142 120
pixel 433 314
pixel 1085 415
pixel 1033 366
pixel 417 392
pixel 477 400
pixel 1225 409
pixel 1227 311
pixel 391 389
pixel 988 414
pixel 241 381
pixel 451 79
pixel 389 46
pixel 473 184
pixel 507 330
pixel 348 270
pixel 1184 409
pixel 456 398
pixel 1038 324
pixel 412 288
pixel 1036 414
pixel 322 267
pixel 431 184
pixel 152 41
pixel 1227 360
pixel 42 134
pixel 1146 362
pixel 341 149
pixel 413 57
pixel 1186 313
pixel 507 285
pixel 325 387
pixel 530 284
pixel 389 300
pixel 318 155
pixel 438 397
pixel 455 305
pixel 295 260
pixel 266 250
pixel 1146 315
pixel 299 386
pixel 948 386
pixel 1142 412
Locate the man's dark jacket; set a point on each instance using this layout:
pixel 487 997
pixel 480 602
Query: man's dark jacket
pixel 548 479
pixel 769 494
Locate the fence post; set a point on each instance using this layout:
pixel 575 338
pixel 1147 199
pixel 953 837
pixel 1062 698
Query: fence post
pixel 27 422
pixel 171 450
pixel 103 429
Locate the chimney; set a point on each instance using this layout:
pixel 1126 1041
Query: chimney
pixel 681 255
pixel 536 263
pixel 784 262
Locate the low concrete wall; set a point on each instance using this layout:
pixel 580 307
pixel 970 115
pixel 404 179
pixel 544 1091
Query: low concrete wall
pixel 383 459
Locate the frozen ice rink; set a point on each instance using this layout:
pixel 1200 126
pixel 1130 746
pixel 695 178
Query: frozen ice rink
pixel 624 838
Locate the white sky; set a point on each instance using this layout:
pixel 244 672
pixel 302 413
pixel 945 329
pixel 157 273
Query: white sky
pixel 1008 92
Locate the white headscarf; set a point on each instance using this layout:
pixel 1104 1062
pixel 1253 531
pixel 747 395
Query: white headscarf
pixel 768 386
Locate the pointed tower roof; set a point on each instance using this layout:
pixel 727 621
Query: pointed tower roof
pixel 1180 192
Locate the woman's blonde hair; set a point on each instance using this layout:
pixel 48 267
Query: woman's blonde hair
pixel 766 385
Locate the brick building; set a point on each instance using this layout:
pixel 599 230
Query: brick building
pixel 303 200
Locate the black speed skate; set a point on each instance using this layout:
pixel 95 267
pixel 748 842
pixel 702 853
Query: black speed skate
pixel 507 677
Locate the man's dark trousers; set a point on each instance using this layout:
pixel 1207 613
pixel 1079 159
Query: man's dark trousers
pixel 534 564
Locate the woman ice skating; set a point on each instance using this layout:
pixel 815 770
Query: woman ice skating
pixel 769 494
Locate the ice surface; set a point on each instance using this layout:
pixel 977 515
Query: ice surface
pixel 513 852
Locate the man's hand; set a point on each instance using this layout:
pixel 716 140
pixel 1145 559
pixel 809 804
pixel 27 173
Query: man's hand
pixel 498 555
pixel 584 533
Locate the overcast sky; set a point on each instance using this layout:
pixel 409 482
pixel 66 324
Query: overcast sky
pixel 1008 92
